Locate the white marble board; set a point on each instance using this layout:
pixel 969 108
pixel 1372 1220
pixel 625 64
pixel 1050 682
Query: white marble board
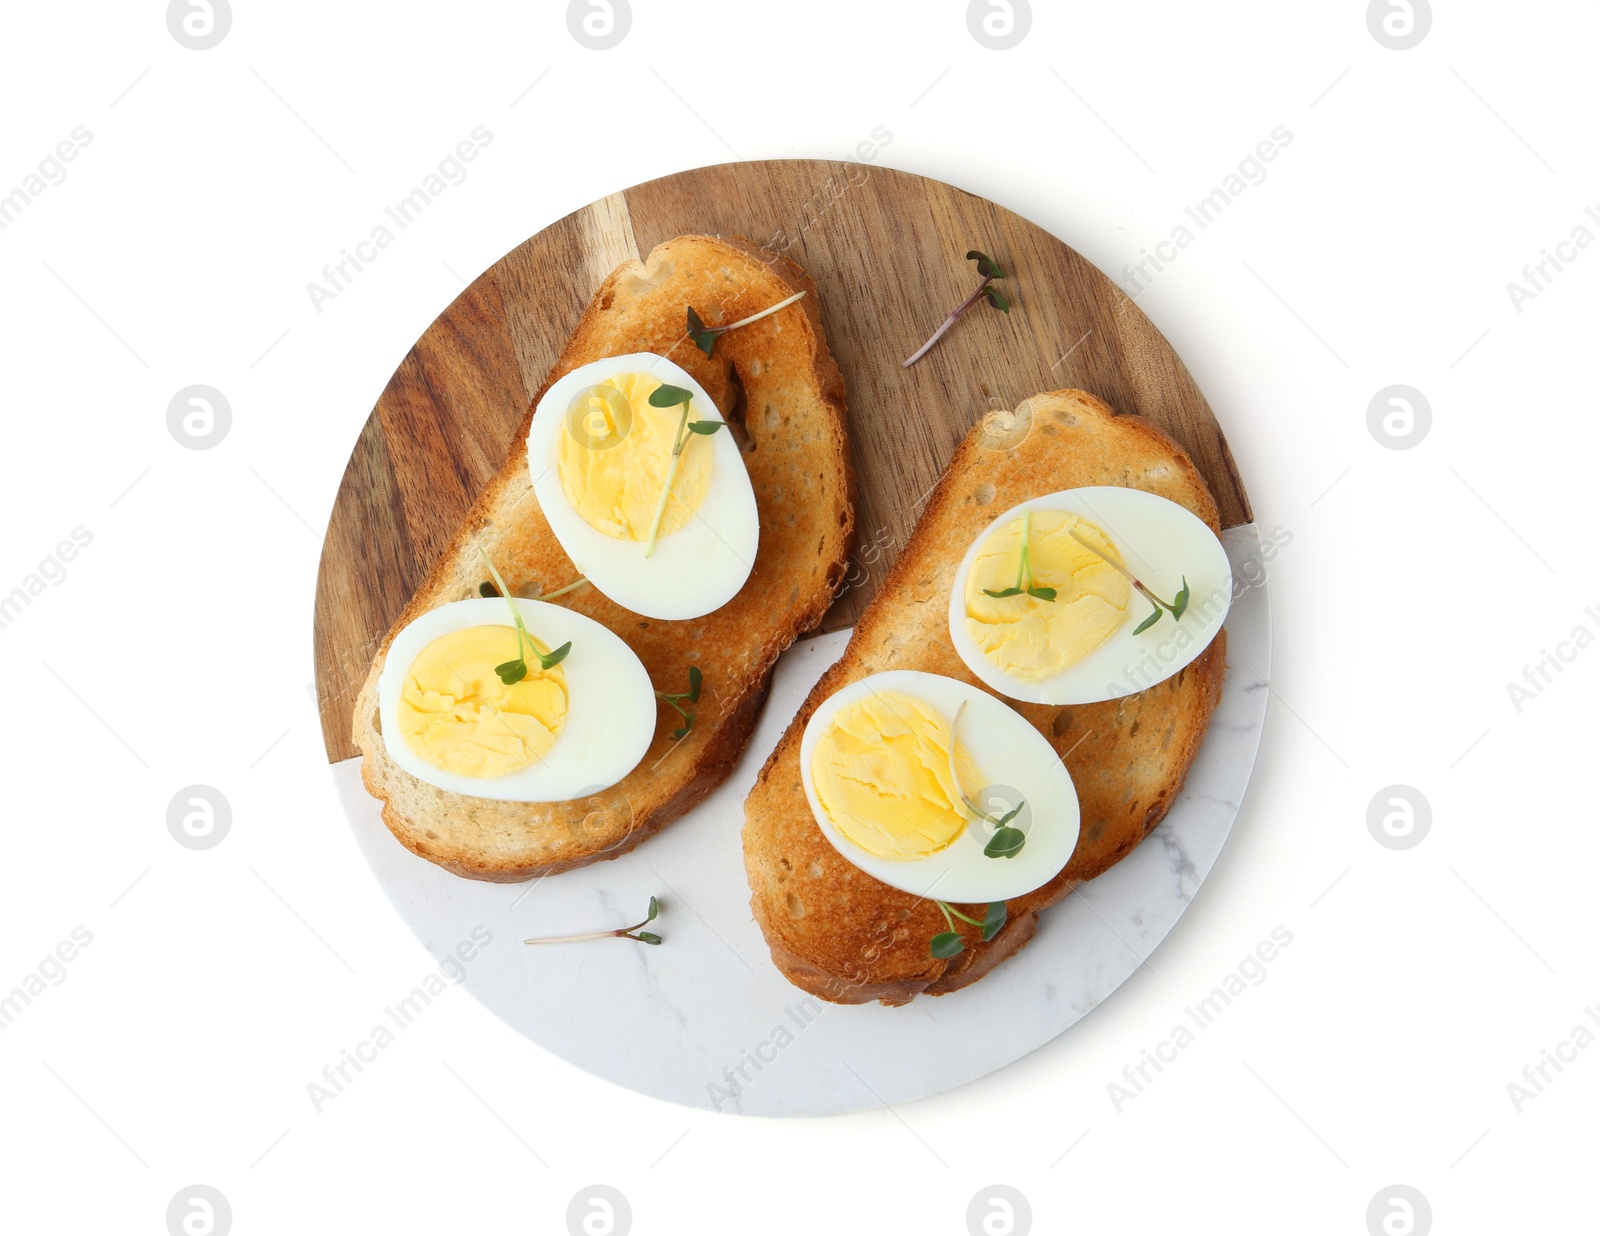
pixel 705 1020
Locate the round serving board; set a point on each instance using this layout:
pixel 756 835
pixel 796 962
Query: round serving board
pixel 888 252
pixel 705 1019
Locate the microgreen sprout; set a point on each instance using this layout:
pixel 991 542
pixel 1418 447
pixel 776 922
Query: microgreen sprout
pixel 1007 842
pixel 990 270
pixel 487 589
pixel 625 933
pixel 513 672
pixel 705 337
pixel 692 695
pixel 665 396
pixel 948 943
pixel 561 592
pixel 1024 571
pixel 1175 607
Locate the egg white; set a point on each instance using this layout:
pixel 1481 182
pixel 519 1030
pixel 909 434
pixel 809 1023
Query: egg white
pixel 1008 751
pixel 1161 543
pixel 611 705
pixel 693 571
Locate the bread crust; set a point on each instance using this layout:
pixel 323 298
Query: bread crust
pixel 797 455
pixel 842 935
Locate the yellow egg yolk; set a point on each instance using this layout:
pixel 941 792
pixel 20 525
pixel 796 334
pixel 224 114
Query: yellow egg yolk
pixel 881 771
pixel 456 714
pixel 615 453
pixel 1029 638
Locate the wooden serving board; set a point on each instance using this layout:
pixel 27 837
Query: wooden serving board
pixel 887 250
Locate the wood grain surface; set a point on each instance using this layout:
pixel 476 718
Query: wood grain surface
pixel 887 250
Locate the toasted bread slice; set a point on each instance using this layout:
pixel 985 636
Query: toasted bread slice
pixel 844 936
pixel 794 447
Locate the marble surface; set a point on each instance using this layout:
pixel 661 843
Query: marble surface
pixel 706 1021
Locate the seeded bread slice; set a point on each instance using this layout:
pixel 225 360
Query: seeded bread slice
pixel 780 371
pixel 844 936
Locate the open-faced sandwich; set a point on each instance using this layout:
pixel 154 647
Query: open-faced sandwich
pixel 590 656
pixel 1016 709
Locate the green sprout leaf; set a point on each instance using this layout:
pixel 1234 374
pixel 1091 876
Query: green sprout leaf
pixel 987 266
pixel 665 396
pixel 705 428
pixel 692 695
pixel 1155 617
pixel 647 937
pixel 1006 843
pixel 1011 815
pixel 512 672
pixel 703 338
pixel 486 589
pixel 655 909
pixel 949 943
pixel 996 300
pixel 1024 582
pixel 1181 601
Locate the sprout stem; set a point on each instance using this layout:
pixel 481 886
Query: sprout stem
pixel 950 909
pixel 516 614
pixel 561 592
pixel 666 486
pixel 756 317
pixel 950 321
pixel 1022 567
pixel 1122 570
pixel 623 932
pixel 589 935
pixel 956 776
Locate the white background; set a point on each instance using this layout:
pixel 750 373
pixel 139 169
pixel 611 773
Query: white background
pixel 178 649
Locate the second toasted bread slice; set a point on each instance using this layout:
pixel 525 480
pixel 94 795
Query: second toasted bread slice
pixel 844 936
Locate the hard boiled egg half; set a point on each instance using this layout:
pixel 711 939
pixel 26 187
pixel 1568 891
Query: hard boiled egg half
pixel 876 762
pixel 659 516
pixel 561 732
pixel 1066 627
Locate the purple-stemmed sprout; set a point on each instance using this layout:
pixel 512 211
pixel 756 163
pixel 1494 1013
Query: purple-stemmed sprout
pixel 1175 607
pixel 990 270
pixel 625 933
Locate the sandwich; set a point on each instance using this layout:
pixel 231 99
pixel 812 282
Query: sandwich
pixel 1015 711
pixel 590 655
